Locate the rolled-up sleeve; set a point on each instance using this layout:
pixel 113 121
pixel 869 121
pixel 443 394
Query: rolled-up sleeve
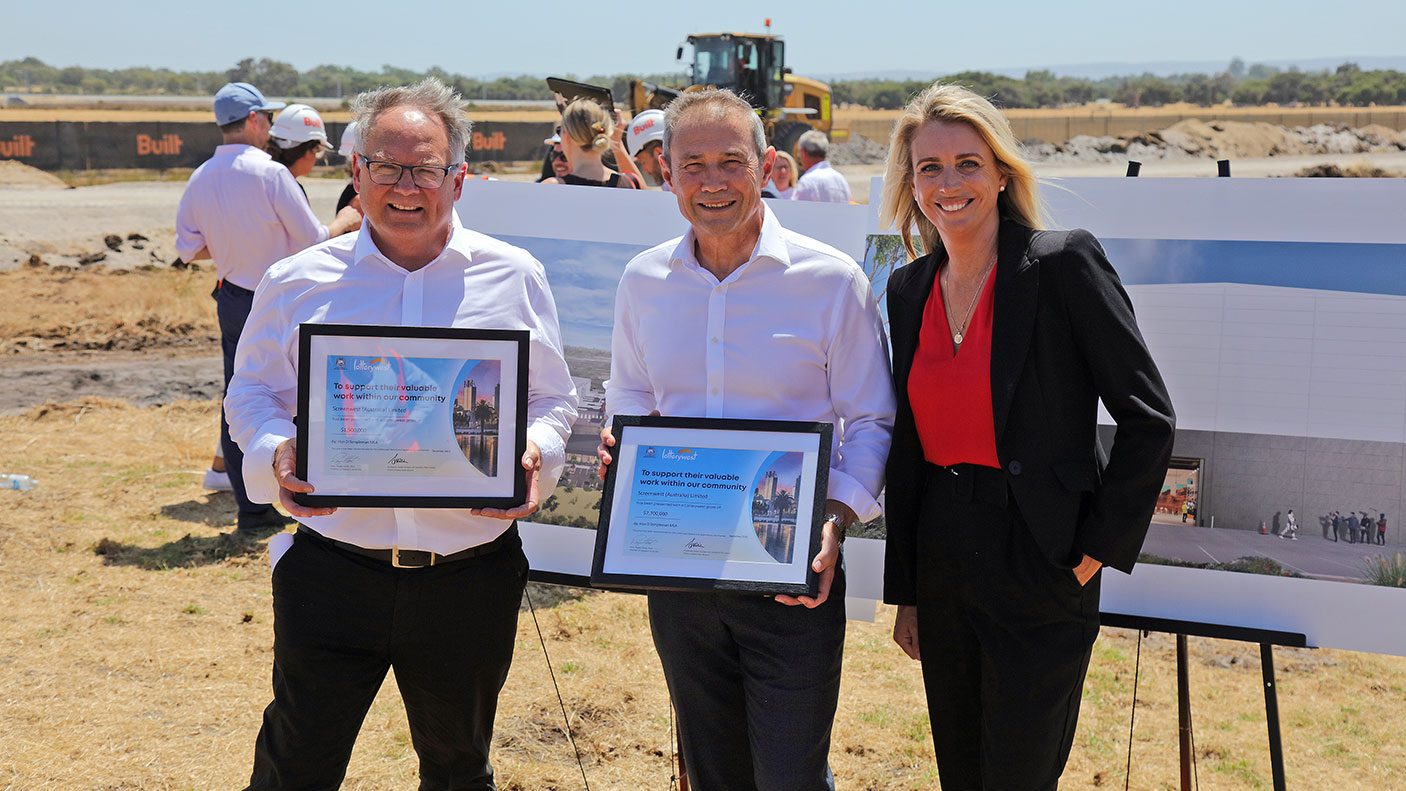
pixel 861 393
pixel 189 239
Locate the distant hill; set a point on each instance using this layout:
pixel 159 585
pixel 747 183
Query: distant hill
pixel 1099 71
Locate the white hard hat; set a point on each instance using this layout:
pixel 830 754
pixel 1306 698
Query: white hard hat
pixel 297 124
pixel 348 140
pixel 644 128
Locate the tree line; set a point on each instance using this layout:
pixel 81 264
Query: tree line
pixel 1254 85
pixel 1243 85
pixel 277 78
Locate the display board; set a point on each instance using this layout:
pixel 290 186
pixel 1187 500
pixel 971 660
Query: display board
pixel 1275 308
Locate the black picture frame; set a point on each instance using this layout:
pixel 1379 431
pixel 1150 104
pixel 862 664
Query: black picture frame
pixel 507 487
pixel 612 564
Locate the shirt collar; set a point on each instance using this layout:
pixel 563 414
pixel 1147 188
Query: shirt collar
pixel 459 245
pixel 771 244
pixel 241 150
pixel 823 164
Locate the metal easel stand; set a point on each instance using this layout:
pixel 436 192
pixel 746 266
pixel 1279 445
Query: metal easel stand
pixel 1266 638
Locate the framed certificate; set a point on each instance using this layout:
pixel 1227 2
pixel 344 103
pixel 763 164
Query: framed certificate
pixel 425 417
pixel 712 504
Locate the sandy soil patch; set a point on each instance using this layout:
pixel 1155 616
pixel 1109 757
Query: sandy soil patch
pixel 17 174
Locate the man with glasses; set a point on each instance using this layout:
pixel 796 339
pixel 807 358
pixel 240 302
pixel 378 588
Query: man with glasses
pixel 246 211
pixel 432 593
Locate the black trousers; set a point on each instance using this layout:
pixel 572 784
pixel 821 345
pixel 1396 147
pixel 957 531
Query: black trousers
pixel 342 620
pixel 755 684
pixel 1004 634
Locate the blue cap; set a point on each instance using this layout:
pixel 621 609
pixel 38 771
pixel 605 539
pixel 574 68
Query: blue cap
pixel 237 99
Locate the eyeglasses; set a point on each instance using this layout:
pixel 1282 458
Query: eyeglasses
pixel 268 116
pixel 387 173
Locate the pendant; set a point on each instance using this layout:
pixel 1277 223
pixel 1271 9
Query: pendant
pixel 957 339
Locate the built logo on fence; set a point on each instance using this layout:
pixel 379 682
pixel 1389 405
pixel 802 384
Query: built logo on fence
pixel 17 146
pixel 494 142
pixel 168 145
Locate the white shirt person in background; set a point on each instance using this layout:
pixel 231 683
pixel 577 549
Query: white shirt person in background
pixel 432 593
pixel 741 318
pixel 819 182
pixel 246 211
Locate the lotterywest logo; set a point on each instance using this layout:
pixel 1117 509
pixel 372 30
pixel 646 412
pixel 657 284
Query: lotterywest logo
pixel 17 146
pixel 494 142
pixel 680 454
pixel 167 145
pixel 376 364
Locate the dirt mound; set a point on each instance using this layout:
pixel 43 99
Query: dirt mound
pixel 857 150
pixel 1197 139
pixel 18 174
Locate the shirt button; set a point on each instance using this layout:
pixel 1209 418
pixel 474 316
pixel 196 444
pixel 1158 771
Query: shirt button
pixel 715 391
pixel 715 340
pixel 1014 467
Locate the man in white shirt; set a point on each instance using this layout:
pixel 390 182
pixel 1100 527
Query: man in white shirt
pixel 433 593
pixel 819 181
pixel 741 318
pixel 246 211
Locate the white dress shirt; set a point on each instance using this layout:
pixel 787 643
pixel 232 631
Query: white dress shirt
pixel 477 281
pixel 248 210
pixel 822 183
pixel 793 334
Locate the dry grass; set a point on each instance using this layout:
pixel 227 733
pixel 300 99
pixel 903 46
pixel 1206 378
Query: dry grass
pixel 146 667
pixel 56 308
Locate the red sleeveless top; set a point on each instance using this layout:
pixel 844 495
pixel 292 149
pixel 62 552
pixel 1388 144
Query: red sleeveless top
pixel 950 391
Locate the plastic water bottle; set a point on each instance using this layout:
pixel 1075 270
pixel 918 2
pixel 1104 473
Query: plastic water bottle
pixel 15 481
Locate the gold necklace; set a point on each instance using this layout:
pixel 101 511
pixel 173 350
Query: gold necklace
pixel 962 329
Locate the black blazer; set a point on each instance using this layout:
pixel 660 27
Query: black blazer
pixel 1063 336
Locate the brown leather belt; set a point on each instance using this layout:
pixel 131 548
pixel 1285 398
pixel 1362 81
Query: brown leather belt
pixel 415 558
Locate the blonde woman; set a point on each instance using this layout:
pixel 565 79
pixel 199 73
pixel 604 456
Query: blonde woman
pixel 783 176
pixel 587 132
pixel 1001 504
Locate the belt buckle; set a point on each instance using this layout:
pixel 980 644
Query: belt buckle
pixel 395 559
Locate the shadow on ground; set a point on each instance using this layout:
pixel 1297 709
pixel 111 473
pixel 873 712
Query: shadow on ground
pixel 185 552
pixel 216 509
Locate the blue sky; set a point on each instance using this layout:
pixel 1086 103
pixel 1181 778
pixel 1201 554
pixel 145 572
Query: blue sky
pixel 823 36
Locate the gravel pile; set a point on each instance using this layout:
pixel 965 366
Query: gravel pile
pixel 857 150
pixel 1195 139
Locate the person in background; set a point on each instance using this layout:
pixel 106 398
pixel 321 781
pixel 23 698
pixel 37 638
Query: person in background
pixel 819 181
pixel 783 176
pixel 555 165
pixel 644 140
pixel 297 140
pixel 1001 504
pixel 345 149
pixel 1381 530
pixel 1352 525
pixel 1337 525
pixel 245 211
pixel 1291 527
pixel 587 132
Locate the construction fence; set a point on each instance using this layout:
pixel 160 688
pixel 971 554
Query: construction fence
pixel 85 145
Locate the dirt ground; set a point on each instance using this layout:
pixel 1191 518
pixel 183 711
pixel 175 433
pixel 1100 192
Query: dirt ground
pixel 135 632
